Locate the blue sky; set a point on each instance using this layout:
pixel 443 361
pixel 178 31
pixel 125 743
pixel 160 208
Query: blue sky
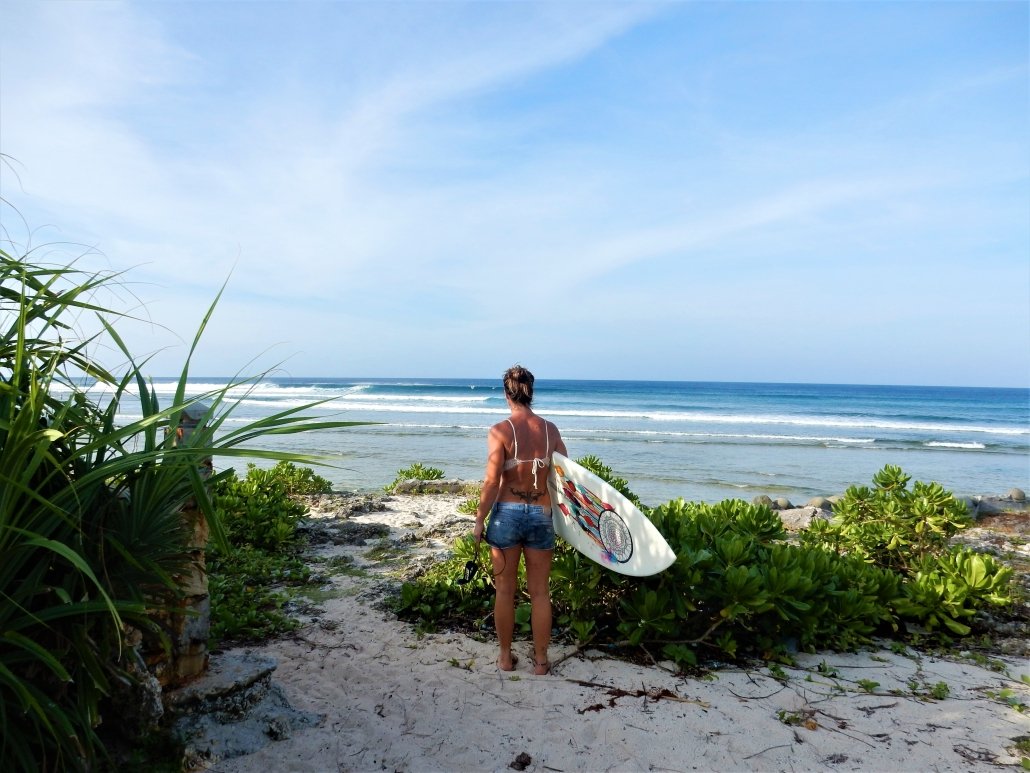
pixel 815 192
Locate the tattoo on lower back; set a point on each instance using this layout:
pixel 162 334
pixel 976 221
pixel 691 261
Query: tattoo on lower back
pixel 527 496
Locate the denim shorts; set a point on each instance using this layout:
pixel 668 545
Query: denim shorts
pixel 515 523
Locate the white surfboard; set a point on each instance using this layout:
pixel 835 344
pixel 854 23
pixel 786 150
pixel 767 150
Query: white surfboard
pixel 602 524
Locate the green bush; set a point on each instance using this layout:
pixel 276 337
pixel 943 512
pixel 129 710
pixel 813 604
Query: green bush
pixel 91 534
pixel 945 591
pixel 258 511
pixel 738 587
pixel 909 531
pixel 247 577
pixel 245 588
pixel 890 525
pixel 416 471
pixel 436 599
pixel 297 480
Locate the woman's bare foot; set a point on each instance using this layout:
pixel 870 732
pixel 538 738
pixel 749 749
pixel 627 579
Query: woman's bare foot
pixel 511 661
pixel 541 668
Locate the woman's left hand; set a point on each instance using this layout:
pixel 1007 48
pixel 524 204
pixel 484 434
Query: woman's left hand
pixel 477 532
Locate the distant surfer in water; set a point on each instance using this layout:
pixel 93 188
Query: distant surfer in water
pixel 516 497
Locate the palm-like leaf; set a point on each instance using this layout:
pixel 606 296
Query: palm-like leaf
pixel 90 524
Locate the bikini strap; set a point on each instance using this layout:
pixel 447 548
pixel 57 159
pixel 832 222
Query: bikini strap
pixel 515 455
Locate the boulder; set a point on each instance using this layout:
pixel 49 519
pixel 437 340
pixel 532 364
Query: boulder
pixel 783 504
pixel 233 710
pixel 1017 495
pixel 763 501
pixel 820 503
pixel 415 486
pixel 797 518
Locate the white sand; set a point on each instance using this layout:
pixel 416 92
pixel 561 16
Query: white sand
pixel 394 701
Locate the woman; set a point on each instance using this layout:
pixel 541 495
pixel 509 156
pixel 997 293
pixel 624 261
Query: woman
pixel 515 494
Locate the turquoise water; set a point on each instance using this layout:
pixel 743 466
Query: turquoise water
pixel 701 441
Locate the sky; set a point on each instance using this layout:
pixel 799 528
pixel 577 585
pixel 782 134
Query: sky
pixel 824 192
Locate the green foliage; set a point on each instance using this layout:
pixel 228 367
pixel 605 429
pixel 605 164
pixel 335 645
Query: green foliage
pixel 739 587
pixel 258 510
pixel 246 600
pixel 436 599
pixel 890 525
pixel 416 471
pixel 946 590
pixel 735 585
pixel 297 480
pixel 246 579
pixel 909 532
pixel 91 494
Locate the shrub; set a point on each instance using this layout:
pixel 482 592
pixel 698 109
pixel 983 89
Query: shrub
pixel 437 599
pixel 738 587
pixel 297 480
pixel 416 471
pixel 890 525
pixel 909 532
pixel 258 510
pixel 247 577
pixel 90 529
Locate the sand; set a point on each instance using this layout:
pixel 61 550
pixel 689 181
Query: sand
pixel 394 700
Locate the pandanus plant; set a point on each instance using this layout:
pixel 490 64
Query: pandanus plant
pixel 91 533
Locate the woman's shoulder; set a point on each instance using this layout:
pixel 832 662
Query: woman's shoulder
pixel 503 427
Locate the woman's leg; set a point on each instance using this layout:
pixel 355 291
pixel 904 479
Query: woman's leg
pixel 538 575
pixel 506 568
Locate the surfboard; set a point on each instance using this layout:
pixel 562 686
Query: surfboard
pixel 602 524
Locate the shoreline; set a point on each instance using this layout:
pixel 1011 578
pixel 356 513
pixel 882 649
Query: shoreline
pixel 388 698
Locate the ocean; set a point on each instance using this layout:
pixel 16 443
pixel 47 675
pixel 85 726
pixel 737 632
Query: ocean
pixel 697 440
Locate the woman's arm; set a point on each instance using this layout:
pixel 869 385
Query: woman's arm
pixel 491 479
pixel 560 446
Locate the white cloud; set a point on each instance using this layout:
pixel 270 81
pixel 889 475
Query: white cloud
pixel 393 169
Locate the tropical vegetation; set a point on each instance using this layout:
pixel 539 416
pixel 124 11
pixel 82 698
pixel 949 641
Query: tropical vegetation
pixel 249 575
pixel 91 537
pixel 883 566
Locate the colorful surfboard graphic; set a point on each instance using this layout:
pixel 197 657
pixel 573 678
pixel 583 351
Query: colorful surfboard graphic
pixel 597 518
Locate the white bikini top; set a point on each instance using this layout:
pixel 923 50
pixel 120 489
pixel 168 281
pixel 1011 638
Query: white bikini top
pixel 540 463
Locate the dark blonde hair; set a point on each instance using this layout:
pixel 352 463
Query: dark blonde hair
pixel 518 385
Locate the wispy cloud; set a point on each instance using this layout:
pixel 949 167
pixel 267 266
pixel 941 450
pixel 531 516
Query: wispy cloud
pixel 405 170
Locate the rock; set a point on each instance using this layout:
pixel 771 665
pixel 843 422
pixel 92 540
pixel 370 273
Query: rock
pixel 521 762
pixel 209 738
pixel 1017 495
pixel 414 486
pixel 798 518
pixel 234 709
pixel 783 504
pixel 221 687
pixel 820 503
pixel 763 501
pixel 139 698
pixel 993 506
